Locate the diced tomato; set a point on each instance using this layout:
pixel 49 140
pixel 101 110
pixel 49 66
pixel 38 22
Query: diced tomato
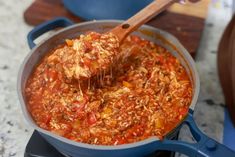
pixel 52 75
pixel 46 118
pixel 147 133
pixel 65 90
pixel 160 59
pixel 78 106
pixel 88 46
pixel 87 62
pixel 144 42
pixel 37 98
pixel 80 114
pixel 91 119
pixel 71 137
pixel 171 60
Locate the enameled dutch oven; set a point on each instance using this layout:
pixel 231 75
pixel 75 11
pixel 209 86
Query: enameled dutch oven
pixel 105 9
pixel 204 147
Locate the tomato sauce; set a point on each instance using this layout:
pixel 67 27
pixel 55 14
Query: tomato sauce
pixel 146 92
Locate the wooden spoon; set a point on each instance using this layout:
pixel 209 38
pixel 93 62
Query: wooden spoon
pixel 153 9
pixel 110 46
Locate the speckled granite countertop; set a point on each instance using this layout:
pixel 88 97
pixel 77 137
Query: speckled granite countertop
pixel 15 132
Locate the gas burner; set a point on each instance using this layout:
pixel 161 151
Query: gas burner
pixel 38 147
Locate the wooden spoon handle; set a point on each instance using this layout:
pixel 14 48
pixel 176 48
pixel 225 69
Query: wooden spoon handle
pixel 154 8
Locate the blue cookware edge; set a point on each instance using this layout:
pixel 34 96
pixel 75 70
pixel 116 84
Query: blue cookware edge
pixel 114 9
pixel 229 131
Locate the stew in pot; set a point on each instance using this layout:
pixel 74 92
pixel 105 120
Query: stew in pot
pixel 86 56
pixel 146 92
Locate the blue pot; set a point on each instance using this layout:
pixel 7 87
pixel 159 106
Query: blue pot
pixel 105 9
pixel 204 146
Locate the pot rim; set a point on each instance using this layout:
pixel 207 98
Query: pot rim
pixel 184 52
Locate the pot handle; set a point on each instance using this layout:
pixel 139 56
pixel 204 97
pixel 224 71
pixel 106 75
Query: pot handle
pixel 205 146
pixel 45 27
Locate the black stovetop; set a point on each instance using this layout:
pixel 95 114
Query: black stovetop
pixel 38 147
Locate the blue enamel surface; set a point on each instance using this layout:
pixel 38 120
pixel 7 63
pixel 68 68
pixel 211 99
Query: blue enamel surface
pixel 229 131
pixel 45 27
pixel 204 146
pixel 105 9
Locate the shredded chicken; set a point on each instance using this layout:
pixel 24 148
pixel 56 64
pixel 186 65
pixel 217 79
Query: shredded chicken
pixel 86 56
pixel 146 94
